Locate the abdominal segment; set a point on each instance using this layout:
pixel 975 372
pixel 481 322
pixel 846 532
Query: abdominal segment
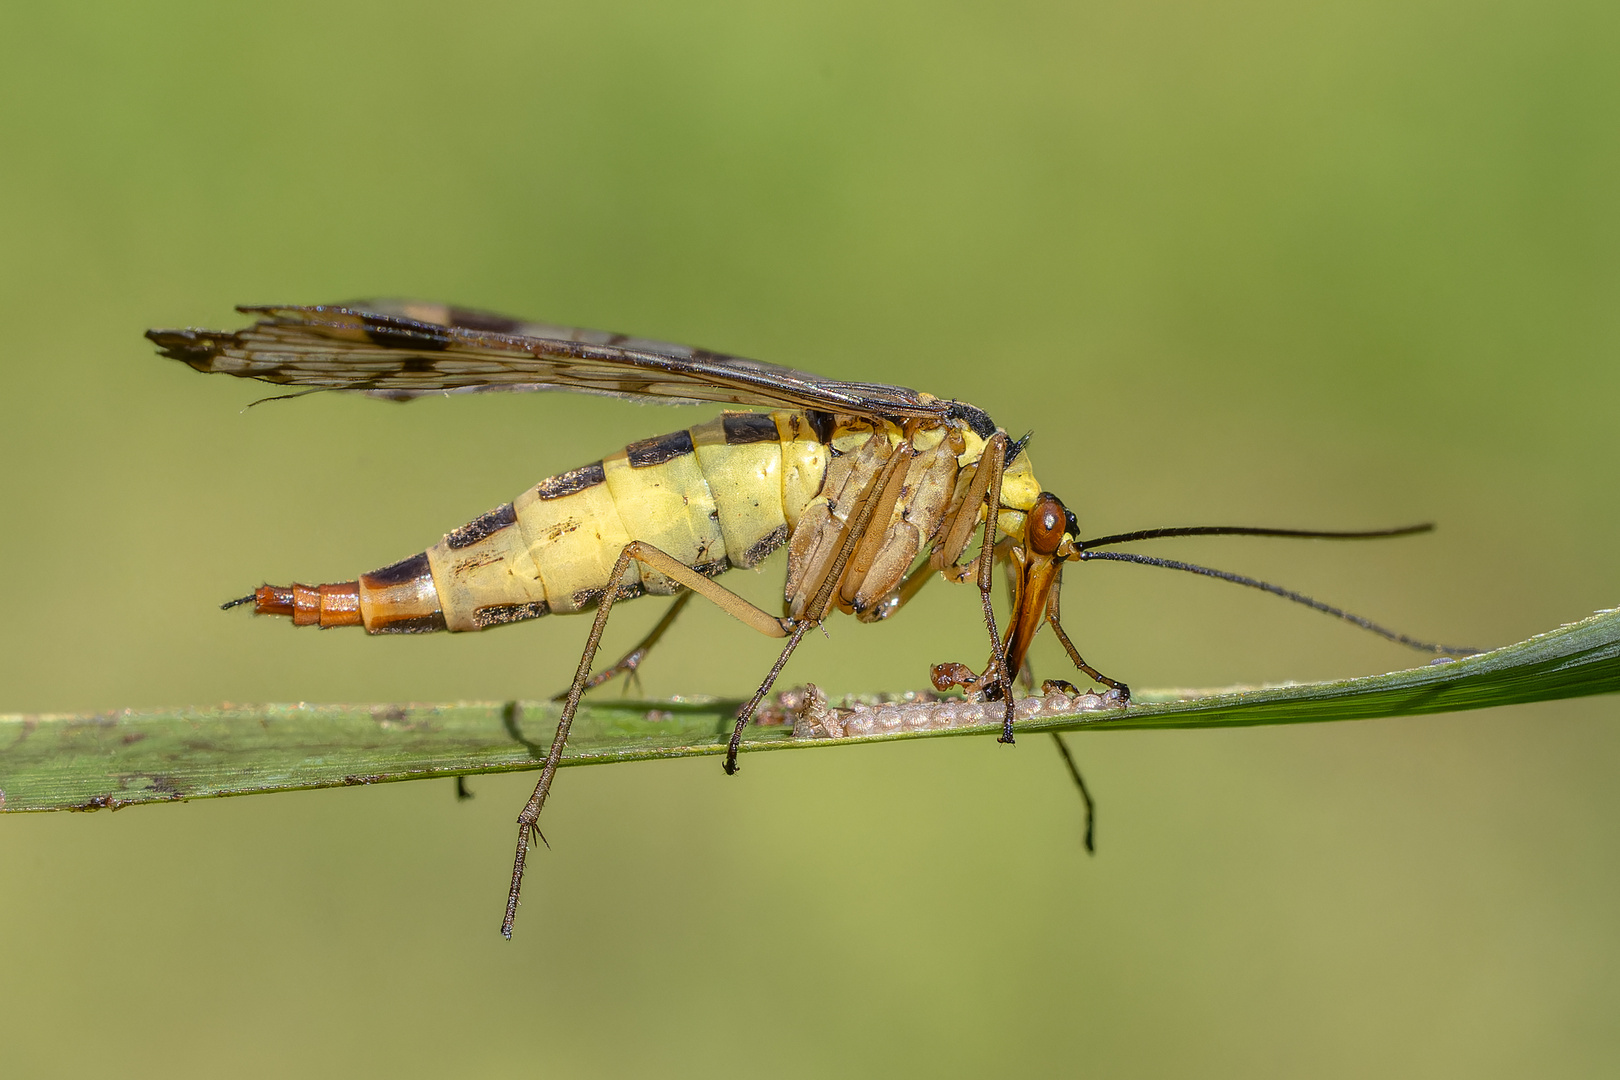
pixel 711 496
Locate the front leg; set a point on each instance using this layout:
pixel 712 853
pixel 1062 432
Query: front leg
pixel 1052 617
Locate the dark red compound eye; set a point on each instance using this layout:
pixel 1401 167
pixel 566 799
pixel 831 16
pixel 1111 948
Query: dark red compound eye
pixel 1044 531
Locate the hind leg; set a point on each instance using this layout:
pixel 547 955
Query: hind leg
pixel 628 663
pixel 634 552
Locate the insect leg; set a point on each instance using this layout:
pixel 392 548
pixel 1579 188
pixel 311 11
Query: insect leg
pixel 1074 654
pixel 985 487
pixel 1079 781
pixel 922 575
pixel 747 711
pixel 995 457
pixel 630 661
pixel 874 504
pixel 961 529
pixel 634 552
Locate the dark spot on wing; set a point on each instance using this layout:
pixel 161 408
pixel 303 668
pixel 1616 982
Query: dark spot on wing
pixel 744 428
pixel 487 321
pixel 187 346
pixel 417 365
pixel 480 527
pixel 572 482
pixel 399 573
pixel 657 451
pixel 404 334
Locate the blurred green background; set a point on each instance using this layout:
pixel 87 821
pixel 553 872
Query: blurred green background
pixel 1337 265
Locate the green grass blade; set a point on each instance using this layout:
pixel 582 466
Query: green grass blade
pixel 58 762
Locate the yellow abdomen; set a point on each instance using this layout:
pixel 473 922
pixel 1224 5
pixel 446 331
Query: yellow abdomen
pixel 723 494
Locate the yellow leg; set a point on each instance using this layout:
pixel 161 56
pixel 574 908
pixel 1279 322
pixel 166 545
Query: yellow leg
pixel 943 558
pixel 634 552
pixel 961 527
pixel 630 662
pixel 885 493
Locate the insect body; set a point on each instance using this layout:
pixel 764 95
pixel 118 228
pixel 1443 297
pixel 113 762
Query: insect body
pixel 724 494
pixel 872 488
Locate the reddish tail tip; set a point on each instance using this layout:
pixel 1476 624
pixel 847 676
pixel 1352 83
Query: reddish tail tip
pixel 308 605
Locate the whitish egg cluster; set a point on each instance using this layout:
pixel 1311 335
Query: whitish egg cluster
pixel 813 718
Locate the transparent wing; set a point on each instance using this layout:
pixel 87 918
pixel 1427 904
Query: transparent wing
pixel 400 349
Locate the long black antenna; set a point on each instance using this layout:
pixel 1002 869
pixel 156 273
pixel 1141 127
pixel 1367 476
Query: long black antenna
pixel 1247 530
pixel 1286 594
